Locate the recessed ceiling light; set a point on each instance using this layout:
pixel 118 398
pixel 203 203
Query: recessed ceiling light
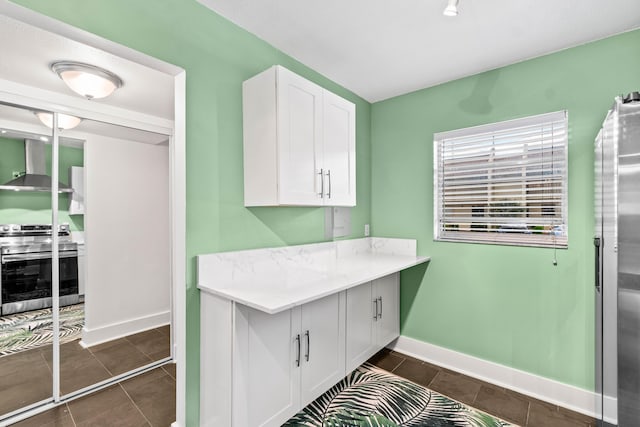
pixel 87 80
pixel 65 121
pixel 451 9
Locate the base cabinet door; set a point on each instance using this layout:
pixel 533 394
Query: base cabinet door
pixel 322 333
pixel 387 290
pixel 360 331
pixel 266 380
pixel 281 362
pixel 284 361
pixel 373 318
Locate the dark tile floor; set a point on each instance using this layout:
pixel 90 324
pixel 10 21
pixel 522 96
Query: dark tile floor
pixel 26 376
pixel 147 400
pixel 500 402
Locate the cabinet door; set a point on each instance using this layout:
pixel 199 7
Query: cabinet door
pixel 322 346
pixel 76 199
pixel 360 338
pixel 388 325
pixel 339 145
pixel 299 139
pixel 266 376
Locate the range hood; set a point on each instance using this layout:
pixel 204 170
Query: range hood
pixel 35 177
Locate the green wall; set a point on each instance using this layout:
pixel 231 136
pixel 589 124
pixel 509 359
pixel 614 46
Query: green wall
pixel 505 304
pixel 508 305
pixel 217 56
pixel 35 207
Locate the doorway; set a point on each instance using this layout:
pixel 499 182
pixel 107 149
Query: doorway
pixel 99 317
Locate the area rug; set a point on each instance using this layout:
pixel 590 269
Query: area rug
pixel 25 331
pixel 372 397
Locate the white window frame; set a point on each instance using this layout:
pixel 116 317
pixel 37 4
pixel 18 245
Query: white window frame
pixel 530 229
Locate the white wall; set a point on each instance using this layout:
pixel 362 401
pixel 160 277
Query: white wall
pixel 127 236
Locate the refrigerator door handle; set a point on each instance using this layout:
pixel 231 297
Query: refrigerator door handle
pixel 596 242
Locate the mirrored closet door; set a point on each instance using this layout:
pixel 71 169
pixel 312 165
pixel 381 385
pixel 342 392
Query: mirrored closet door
pixel 26 289
pixel 120 209
pixel 85 256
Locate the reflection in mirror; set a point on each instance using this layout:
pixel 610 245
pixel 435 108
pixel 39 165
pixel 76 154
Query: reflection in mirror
pixel 120 206
pixel 26 324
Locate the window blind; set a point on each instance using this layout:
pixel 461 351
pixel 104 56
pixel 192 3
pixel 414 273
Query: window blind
pixel 503 183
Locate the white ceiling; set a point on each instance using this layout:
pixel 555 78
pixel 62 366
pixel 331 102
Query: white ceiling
pixel 27 53
pixel 384 48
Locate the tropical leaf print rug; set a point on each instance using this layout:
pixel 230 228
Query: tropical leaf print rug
pixel 372 397
pixel 24 331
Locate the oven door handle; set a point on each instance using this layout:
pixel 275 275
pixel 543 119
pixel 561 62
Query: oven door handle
pixel 36 255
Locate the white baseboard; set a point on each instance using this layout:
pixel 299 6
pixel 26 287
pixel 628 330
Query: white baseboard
pixel 91 337
pixel 565 395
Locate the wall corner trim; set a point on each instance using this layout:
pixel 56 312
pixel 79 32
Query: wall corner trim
pixel 565 395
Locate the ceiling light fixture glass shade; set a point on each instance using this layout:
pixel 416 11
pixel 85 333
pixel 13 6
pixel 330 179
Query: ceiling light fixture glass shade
pixel 65 121
pixel 452 8
pixel 87 80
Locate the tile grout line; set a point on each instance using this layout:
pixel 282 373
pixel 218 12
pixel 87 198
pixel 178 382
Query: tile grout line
pixel 100 362
pixel 168 373
pixel 73 420
pixel 398 365
pixel 160 334
pixel 526 420
pixel 135 404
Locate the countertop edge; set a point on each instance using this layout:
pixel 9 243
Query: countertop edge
pixel 228 293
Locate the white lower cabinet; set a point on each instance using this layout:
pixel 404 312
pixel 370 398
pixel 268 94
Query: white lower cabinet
pixel 284 361
pixel 387 323
pixel 260 369
pixel 322 343
pixel 373 318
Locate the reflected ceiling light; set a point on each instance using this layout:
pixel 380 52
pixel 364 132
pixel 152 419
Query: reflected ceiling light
pixel 452 8
pixel 64 121
pixel 87 80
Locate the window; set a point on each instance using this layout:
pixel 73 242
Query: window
pixel 503 183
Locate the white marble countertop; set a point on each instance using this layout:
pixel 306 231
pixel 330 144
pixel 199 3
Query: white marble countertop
pixel 277 279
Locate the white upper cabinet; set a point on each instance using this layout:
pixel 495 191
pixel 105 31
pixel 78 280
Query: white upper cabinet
pixel 76 199
pixel 339 136
pixel 299 142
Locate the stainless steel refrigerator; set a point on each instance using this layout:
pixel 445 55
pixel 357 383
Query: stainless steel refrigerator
pixel 617 263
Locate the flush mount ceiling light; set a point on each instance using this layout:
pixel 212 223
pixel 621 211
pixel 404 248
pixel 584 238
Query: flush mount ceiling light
pixel 87 80
pixel 65 121
pixel 452 8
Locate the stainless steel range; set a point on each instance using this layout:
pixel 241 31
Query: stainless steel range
pixel 25 267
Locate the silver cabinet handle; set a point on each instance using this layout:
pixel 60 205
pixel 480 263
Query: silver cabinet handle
pixel 596 242
pixel 321 193
pixel 375 315
pixel 306 356
pixel 329 176
pixel 298 353
pixel 380 298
